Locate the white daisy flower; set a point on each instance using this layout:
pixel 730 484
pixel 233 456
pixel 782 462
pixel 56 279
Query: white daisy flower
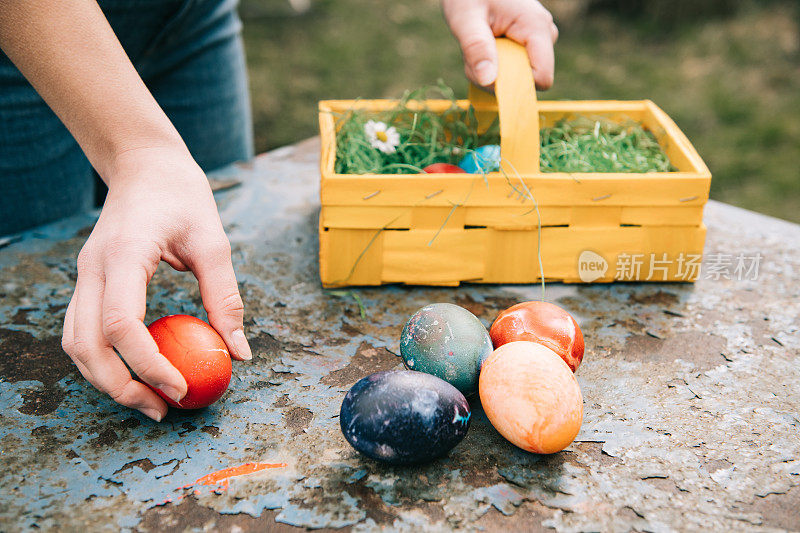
pixel 382 137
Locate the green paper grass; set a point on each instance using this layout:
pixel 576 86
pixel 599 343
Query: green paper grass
pixel 579 144
pixel 585 144
pixel 425 137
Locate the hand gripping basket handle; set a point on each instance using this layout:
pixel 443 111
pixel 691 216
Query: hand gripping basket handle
pixel 517 108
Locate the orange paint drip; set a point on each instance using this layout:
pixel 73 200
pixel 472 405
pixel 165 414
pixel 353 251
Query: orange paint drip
pixel 222 477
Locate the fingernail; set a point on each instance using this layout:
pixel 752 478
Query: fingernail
pixel 152 413
pixel 241 346
pixel 486 72
pixel 175 394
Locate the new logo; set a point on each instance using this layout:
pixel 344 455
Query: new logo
pixel 591 266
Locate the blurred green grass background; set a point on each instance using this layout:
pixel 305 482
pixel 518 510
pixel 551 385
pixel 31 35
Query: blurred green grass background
pixel 727 71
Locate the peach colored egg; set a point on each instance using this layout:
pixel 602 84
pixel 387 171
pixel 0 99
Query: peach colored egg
pixel 531 397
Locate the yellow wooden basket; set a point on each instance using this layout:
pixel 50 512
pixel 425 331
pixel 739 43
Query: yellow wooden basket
pixel 444 229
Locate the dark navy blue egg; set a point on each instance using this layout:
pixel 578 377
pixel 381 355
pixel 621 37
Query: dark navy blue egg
pixel 404 417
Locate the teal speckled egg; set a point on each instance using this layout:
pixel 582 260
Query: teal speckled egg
pixel 481 160
pixel 447 341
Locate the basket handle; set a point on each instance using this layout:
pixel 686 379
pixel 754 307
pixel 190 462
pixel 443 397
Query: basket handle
pixel 515 94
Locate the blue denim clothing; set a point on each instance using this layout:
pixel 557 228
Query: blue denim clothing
pixel 190 55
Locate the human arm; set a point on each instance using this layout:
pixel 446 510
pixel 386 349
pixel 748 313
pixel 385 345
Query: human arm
pixel 159 205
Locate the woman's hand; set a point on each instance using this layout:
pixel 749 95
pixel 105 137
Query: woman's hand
pixel 476 23
pixel 159 207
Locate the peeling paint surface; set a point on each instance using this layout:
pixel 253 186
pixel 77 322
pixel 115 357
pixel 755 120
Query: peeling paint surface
pixel 692 395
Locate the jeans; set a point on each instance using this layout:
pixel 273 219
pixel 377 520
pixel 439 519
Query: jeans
pixel 189 54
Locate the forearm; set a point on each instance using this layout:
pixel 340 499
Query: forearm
pixel 70 55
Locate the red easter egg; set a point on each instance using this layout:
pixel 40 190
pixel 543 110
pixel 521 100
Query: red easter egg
pixel 544 323
pixel 443 168
pixel 199 354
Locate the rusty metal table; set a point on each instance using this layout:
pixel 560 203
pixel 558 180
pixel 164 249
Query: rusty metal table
pixel 691 395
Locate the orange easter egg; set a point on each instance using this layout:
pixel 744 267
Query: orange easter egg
pixel 531 397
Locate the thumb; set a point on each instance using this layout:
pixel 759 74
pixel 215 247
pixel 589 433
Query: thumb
pixel 477 45
pixel 221 299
